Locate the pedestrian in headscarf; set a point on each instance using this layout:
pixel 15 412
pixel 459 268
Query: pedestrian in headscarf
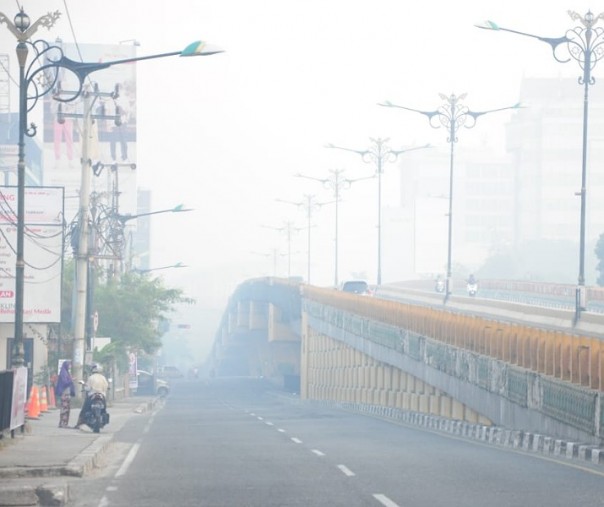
pixel 65 390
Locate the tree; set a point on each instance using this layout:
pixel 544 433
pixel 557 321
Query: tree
pixel 599 251
pixel 131 308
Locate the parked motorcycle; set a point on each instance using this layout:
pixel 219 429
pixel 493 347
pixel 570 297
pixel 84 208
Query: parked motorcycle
pixel 95 414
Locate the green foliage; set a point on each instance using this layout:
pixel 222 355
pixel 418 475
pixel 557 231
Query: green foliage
pixel 130 312
pixel 67 296
pixel 131 308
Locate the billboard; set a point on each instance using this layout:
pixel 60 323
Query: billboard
pixel 112 144
pixel 42 252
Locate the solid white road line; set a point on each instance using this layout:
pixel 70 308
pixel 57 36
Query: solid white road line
pixel 384 500
pixel 129 459
pixel 346 471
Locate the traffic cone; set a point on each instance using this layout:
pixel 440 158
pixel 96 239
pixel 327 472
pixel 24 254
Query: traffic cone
pixel 43 400
pixel 33 406
pixel 52 402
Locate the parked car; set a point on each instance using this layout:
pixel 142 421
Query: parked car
pixel 148 385
pixel 357 287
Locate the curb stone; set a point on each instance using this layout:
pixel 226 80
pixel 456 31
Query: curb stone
pixel 517 439
pixel 56 494
pixel 49 495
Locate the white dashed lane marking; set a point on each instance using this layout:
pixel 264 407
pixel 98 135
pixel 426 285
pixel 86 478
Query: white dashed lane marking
pixel 384 500
pixel 346 471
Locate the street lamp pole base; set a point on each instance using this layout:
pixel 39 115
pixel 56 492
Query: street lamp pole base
pixel 580 302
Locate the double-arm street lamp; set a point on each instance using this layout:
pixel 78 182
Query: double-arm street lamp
pixel 584 44
pixel 452 114
pixel 287 228
pixel 36 79
pixel 170 266
pixel 335 182
pixel 379 153
pixel 113 232
pixel 309 204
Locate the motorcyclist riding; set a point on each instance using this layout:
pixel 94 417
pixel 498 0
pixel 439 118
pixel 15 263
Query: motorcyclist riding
pixel 472 285
pixel 96 383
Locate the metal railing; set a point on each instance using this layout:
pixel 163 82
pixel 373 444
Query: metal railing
pixel 566 356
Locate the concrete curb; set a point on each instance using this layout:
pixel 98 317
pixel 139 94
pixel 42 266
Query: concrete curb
pixel 57 494
pixel 49 495
pixel 515 439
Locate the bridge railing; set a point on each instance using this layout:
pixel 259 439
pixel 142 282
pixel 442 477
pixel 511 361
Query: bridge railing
pixel 563 355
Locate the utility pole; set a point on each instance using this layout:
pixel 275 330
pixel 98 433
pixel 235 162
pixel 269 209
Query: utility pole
pixel 83 253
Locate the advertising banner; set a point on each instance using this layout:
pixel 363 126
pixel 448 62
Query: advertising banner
pixel 112 137
pixel 42 252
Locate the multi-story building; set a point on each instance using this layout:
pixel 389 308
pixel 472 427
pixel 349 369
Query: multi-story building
pixel 504 201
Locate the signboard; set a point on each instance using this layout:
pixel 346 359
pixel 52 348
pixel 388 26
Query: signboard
pixel 17 417
pixel 42 252
pixel 112 145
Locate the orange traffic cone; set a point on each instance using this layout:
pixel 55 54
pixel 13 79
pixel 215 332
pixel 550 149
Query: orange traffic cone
pixel 43 400
pixel 52 402
pixel 33 406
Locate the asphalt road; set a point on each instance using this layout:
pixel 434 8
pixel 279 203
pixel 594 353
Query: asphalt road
pixel 234 442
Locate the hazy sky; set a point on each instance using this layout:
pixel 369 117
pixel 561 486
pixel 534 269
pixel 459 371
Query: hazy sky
pixel 225 134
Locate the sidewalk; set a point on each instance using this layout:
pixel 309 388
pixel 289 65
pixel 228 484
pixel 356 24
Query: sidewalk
pixel 45 450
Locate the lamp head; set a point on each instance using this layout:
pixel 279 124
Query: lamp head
pixel 487 25
pixel 22 21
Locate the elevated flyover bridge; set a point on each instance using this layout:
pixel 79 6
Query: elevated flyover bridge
pixel 405 353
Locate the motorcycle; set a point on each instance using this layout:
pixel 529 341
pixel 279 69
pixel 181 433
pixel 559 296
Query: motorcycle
pixel 440 286
pixel 95 416
pixel 472 289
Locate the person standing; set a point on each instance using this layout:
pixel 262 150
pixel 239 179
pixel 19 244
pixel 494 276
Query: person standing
pixel 64 391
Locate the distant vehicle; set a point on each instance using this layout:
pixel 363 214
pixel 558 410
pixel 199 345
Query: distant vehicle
pixel 171 372
pixel 146 387
pixel 357 287
pixel 439 285
pixel 472 286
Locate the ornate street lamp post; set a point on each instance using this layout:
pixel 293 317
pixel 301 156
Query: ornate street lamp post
pixel 379 153
pixel 37 79
pixel 309 204
pixel 452 114
pixel 584 44
pixel 287 228
pixel 336 182
pixel 22 29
